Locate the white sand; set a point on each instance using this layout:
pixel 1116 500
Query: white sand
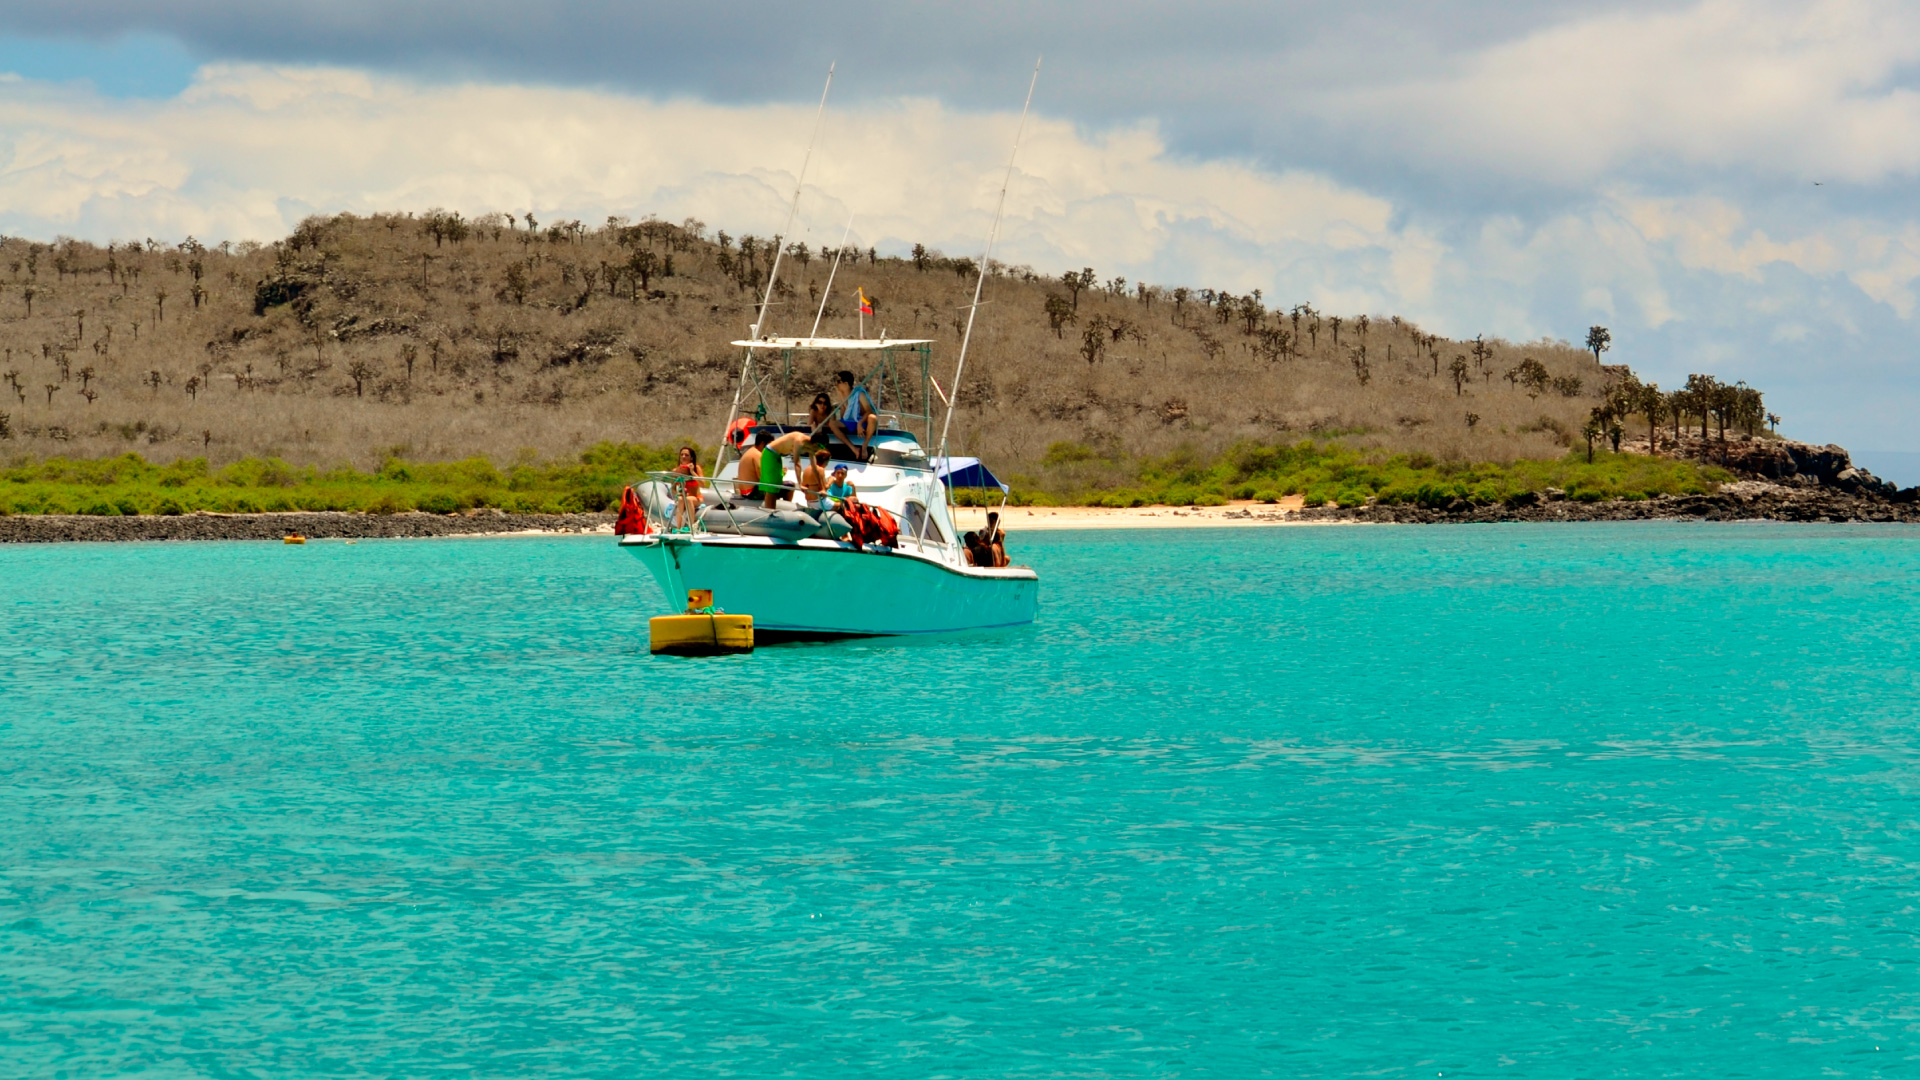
pixel 1247 512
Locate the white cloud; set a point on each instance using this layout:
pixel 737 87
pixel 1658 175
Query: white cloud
pixel 1713 234
pixel 1772 87
pixel 248 150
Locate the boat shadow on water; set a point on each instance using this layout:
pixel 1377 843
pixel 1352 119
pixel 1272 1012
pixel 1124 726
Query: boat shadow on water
pixel 788 643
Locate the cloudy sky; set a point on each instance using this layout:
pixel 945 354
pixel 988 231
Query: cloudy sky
pixel 1727 185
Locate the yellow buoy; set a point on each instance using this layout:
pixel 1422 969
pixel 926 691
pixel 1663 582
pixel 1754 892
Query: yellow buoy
pixel 294 538
pixel 701 635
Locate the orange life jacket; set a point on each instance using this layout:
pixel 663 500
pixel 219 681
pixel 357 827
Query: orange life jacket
pixel 740 432
pixel 633 516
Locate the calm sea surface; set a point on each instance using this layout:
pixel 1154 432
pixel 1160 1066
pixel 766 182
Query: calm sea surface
pixel 1567 801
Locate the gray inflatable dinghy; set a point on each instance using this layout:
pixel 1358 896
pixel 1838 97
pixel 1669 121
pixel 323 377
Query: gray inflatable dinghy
pixel 788 525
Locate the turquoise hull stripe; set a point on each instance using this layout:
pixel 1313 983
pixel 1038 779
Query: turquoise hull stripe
pixel 838 590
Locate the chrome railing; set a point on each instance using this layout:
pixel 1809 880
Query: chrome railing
pixel 662 520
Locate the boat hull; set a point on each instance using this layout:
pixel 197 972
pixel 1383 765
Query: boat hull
pixel 823 589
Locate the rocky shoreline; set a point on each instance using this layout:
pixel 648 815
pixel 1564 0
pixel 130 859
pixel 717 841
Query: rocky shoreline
pixel 58 528
pixel 1746 500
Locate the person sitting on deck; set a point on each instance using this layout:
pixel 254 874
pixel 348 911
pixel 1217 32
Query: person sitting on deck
pixel 813 480
pixel 994 539
pixel 839 490
pixel 819 415
pixel 856 417
pixel 978 554
pixel 746 485
pixel 687 503
pixel 773 469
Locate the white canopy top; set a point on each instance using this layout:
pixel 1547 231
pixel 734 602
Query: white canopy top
pixel 831 343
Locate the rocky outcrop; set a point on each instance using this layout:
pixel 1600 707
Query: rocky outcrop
pixel 1780 460
pixel 51 528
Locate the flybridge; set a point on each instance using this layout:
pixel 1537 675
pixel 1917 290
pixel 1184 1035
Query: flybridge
pixel 833 343
pixel 768 379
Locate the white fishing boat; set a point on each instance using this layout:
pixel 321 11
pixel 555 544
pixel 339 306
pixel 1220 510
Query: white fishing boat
pixel 799 569
pixel 816 568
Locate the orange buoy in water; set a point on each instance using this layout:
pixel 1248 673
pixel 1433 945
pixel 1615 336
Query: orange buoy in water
pixel 294 538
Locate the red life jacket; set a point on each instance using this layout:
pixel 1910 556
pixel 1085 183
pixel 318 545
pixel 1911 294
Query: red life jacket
pixel 869 524
pixel 886 528
pixel 857 521
pixel 633 517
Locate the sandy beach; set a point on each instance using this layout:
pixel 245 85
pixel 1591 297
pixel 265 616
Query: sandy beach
pixel 1239 513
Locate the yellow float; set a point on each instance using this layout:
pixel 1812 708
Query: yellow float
pixel 703 631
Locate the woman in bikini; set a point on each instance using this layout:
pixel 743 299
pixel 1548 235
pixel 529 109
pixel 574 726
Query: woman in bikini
pixel 687 503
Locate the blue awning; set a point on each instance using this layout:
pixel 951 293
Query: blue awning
pixel 965 472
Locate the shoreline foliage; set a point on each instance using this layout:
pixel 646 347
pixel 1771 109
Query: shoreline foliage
pixel 129 484
pixel 1069 474
pixel 1323 473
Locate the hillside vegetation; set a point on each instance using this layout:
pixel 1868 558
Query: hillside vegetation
pixel 433 338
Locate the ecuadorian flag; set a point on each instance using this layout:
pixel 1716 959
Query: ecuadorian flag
pixel 866 305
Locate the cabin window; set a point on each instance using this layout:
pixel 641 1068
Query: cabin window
pixel 915 521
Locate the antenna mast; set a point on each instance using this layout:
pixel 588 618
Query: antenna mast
pixel 828 291
pixel 986 259
pixel 773 273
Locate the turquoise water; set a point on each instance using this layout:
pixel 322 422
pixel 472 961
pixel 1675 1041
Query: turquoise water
pixel 1612 800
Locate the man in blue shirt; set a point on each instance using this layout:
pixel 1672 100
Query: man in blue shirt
pixel 839 490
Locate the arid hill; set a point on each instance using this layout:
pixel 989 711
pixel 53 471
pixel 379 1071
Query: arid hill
pixel 436 337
